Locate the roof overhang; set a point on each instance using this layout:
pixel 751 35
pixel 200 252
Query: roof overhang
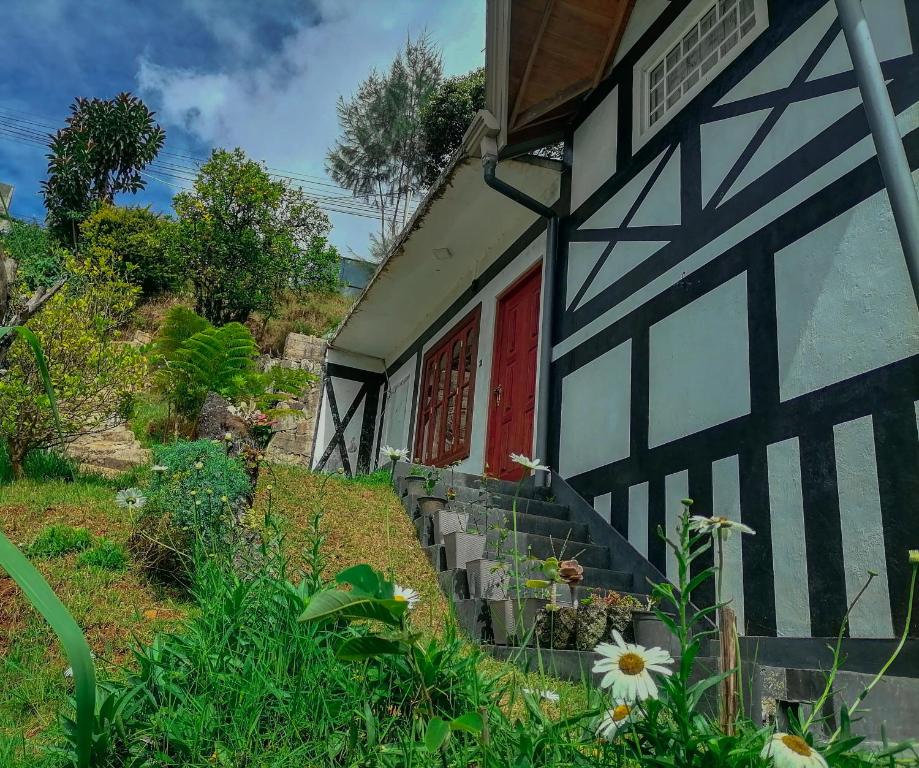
pixel 460 228
pixel 542 57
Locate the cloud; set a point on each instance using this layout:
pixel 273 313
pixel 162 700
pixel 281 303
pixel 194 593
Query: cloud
pixel 276 99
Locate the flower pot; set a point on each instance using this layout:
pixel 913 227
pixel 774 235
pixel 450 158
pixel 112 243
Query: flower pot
pixel 651 632
pixel 557 628
pixel 510 623
pixel 592 622
pixel 461 547
pixel 428 505
pixel 487 578
pixel 448 521
pixel 412 485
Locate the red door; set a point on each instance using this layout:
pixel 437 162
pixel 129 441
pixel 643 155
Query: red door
pixel 513 377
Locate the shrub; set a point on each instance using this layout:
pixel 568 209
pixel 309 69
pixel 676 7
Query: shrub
pixel 48 465
pixel 194 492
pixel 39 259
pixel 195 358
pixel 314 314
pixel 134 241
pixel 57 540
pixel 107 555
pixel 93 377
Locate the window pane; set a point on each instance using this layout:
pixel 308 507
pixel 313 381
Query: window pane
pixel 455 364
pixel 469 349
pixel 709 62
pixel 749 24
pixel 673 57
pixel 690 40
pixel 729 43
pixel 657 75
pixel 708 21
pixel 463 416
pixel 746 8
pixel 448 431
pixel 726 5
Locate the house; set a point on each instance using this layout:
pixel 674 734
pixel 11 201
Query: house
pixel 709 297
pixel 354 275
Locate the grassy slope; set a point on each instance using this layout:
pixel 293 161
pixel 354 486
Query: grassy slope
pixel 362 521
pixel 113 608
pixel 356 516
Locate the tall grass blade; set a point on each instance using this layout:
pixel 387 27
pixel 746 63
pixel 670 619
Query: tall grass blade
pixel 44 600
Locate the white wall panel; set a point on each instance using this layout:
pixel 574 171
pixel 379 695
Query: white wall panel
pixel 843 300
pixel 595 149
pixel 595 412
pixel 699 364
pixel 862 528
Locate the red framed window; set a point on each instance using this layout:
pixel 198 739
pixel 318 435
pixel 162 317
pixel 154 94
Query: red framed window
pixel 445 397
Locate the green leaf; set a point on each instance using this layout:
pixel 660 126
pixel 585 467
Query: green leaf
pixel 537 584
pixel 369 647
pixel 42 597
pixel 436 734
pixel 471 722
pixel 348 605
pixel 362 577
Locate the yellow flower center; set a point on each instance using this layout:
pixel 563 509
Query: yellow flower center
pixel 797 744
pixel 400 598
pixel 621 712
pixel 631 664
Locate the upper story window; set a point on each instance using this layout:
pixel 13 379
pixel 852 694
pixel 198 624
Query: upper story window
pixel 691 54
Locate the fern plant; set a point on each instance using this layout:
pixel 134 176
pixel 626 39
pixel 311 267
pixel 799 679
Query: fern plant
pixel 196 358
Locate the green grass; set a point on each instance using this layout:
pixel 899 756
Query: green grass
pixel 106 554
pixel 57 540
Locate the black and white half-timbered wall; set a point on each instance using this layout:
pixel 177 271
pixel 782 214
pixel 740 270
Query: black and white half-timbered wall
pixel 732 318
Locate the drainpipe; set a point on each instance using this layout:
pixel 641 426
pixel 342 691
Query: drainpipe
pixel 891 155
pixel 543 400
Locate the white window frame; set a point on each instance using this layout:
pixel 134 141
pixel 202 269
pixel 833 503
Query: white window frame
pixel 642 132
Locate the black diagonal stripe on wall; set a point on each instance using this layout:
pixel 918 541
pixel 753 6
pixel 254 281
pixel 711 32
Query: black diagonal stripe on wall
pixel 337 439
pixel 777 111
pixel 822 532
pixel 630 214
pixel 758 573
pixel 896 444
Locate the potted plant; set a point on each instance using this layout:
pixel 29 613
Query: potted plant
pixel 513 618
pixel 593 617
pixel 650 630
pixel 413 482
pixel 429 503
pixel 556 624
pixel 620 610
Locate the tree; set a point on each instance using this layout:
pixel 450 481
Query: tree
pixel 98 154
pixel 135 242
pixel 246 238
pixel 445 118
pixel 32 271
pixel 379 155
pixel 93 376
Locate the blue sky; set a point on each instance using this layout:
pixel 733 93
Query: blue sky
pixel 264 76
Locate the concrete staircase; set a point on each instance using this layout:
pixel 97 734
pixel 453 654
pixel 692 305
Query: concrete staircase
pixel 480 518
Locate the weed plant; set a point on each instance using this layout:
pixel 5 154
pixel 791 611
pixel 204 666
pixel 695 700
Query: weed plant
pixel 106 555
pixel 59 540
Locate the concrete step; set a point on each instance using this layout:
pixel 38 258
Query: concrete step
pixel 506 501
pixel 559 529
pixel 542 547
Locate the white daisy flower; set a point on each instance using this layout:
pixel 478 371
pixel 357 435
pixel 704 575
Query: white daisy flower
pixel 615 719
pixel 715 525
pixel 547 695
pixel 394 454
pixel 525 461
pixel 788 751
pixel 406 595
pixel 130 498
pixel 627 668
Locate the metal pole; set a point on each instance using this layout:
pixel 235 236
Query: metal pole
pixel 883 123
